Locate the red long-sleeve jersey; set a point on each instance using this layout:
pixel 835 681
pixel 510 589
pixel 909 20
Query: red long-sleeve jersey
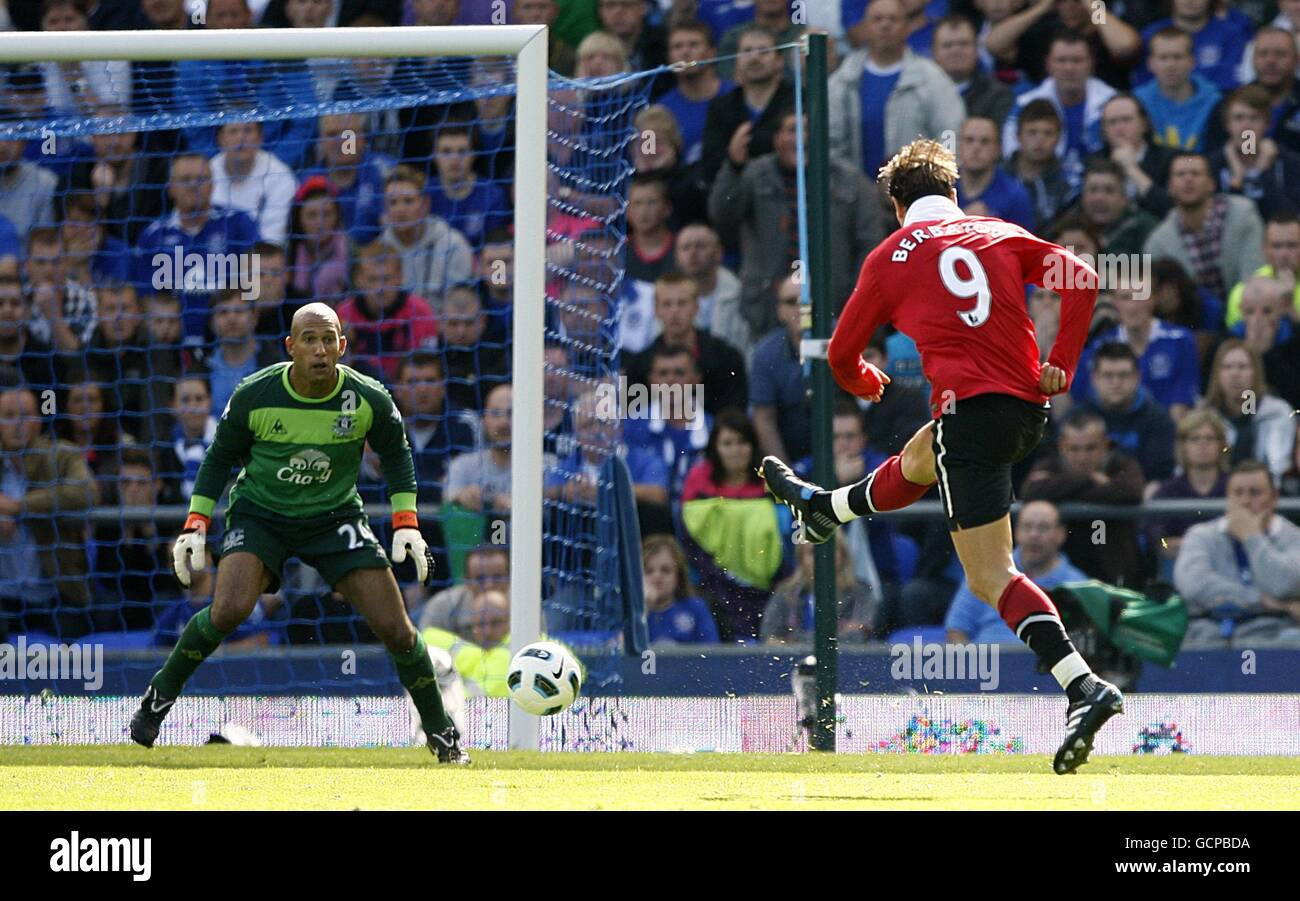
pixel 956 286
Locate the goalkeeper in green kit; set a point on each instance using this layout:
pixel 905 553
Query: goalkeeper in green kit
pixel 299 429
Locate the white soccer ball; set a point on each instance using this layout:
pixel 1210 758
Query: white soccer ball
pixel 544 678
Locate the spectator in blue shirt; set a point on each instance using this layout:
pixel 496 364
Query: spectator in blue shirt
pixel 673 614
pixel 194 427
pixel 1039 538
pixel 673 428
pixel 1135 423
pixel 470 205
pixel 1218 39
pixel 356 174
pixel 778 390
pixel 237 353
pixel 696 85
pixel 1171 369
pixel 10 245
pixel 1077 96
pixel 208 241
pixel 1178 101
pixel 985 188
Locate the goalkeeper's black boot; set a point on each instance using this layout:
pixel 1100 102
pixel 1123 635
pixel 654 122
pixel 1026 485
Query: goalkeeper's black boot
pixel 1083 718
pixel 810 504
pixel 445 745
pixel 148 719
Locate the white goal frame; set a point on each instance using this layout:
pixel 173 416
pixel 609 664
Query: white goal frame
pixel 528 44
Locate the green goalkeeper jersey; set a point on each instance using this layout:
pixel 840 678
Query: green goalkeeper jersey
pixel 301 455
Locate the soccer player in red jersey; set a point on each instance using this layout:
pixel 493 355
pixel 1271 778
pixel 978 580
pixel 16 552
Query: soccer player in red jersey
pixel 956 285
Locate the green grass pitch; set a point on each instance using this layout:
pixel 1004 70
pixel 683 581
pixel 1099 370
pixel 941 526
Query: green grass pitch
pixel 221 777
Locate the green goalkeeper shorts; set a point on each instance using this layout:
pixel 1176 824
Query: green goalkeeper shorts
pixel 333 544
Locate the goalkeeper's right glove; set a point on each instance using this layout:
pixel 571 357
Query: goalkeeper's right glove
pixel 190 552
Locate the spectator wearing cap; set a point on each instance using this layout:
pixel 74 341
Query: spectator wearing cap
pixel 318 242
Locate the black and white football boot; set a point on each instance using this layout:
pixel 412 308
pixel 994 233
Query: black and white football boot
pixel 810 504
pixel 148 719
pixel 445 745
pixel 1083 719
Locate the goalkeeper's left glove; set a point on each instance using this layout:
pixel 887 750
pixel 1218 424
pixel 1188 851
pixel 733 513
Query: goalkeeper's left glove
pixel 407 539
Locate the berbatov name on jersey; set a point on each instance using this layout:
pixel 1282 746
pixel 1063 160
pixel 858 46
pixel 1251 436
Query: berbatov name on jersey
pixel 956 286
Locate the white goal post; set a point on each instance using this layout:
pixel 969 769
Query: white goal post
pixel 527 43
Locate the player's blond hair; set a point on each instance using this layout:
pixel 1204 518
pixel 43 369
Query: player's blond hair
pixel 922 167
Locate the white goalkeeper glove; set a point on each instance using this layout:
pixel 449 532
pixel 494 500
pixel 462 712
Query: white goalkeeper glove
pixel 408 540
pixel 190 552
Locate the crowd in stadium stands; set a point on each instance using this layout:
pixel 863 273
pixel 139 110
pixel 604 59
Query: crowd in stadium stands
pixel 1157 138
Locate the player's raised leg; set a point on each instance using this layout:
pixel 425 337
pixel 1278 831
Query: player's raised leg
pixel 241 578
pixel 373 591
pixel 898 482
pixel 985 554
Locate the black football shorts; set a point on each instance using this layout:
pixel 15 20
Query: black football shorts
pixel 975 447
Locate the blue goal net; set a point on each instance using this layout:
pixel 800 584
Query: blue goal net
pixel 169 219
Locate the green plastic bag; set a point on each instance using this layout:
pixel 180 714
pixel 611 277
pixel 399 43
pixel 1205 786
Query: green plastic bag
pixel 1138 625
